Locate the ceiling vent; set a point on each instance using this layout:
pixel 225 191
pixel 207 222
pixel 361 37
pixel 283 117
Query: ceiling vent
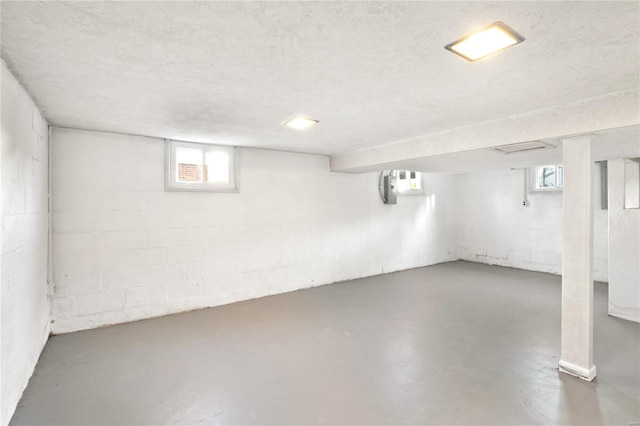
pixel 520 147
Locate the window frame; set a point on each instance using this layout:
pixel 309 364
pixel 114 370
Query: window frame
pixel 410 191
pixel 171 182
pixel 555 187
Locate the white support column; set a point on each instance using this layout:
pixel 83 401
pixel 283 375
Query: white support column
pixel 576 346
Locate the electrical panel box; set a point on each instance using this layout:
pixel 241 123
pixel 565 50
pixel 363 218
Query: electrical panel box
pixel 389 189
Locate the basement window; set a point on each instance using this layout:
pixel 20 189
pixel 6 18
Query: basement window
pixel 548 178
pixel 408 182
pixel 200 167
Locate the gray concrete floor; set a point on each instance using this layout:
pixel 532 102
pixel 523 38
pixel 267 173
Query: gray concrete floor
pixel 456 343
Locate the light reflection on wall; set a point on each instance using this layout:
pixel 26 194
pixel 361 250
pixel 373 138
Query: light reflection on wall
pixel 431 203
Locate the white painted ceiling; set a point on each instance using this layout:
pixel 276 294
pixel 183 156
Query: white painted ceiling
pixel 371 72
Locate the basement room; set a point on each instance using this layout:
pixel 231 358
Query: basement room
pixel 301 212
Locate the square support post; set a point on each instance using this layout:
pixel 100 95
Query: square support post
pixel 576 348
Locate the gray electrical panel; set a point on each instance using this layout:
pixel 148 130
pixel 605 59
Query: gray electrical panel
pixel 389 189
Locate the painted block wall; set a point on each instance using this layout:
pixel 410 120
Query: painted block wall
pixel 495 228
pixel 125 249
pixel 23 240
pixel 624 248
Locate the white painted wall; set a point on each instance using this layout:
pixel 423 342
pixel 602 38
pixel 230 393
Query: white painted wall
pixel 624 248
pixel 125 249
pixel 495 228
pixel 23 240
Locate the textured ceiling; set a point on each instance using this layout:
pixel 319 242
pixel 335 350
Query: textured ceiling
pixel 371 72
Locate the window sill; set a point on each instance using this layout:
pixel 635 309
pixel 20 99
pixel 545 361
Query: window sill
pixel 546 190
pixel 411 194
pixel 204 189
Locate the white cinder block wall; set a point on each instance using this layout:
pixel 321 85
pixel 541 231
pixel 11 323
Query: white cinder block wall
pixel 495 228
pixel 23 240
pixel 125 249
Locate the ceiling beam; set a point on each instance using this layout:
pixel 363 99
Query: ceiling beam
pixel 618 109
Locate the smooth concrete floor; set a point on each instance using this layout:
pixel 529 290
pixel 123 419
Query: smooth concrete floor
pixel 455 343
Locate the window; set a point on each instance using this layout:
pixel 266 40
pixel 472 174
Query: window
pixel 200 167
pixel 548 178
pixel 408 182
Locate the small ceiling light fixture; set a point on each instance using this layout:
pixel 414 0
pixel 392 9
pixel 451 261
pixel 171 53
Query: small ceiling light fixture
pixel 300 123
pixel 521 147
pixel 487 41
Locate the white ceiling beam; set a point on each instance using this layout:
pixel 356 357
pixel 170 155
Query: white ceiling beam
pixel 613 110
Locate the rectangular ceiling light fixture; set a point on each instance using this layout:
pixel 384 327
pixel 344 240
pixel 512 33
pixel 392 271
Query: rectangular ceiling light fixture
pixel 300 123
pixel 520 147
pixel 489 40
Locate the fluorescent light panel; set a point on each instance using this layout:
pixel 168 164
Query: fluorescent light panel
pixel 300 123
pixel 489 40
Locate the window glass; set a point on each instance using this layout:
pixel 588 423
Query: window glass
pixel 560 176
pixel 216 167
pixel 402 182
pixel 408 182
pixel 548 178
pixel 200 167
pixel 188 164
pixel 416 182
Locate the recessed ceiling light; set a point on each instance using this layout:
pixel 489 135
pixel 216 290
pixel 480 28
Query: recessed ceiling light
pixel 300 123
pixel 485 42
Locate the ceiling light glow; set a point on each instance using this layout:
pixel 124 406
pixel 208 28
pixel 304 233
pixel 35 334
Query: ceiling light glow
pixel 300 123
pixel 485 42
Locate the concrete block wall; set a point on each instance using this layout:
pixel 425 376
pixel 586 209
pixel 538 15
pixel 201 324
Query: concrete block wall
pixel 495 228
pixel 23 240
pixel 126 249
